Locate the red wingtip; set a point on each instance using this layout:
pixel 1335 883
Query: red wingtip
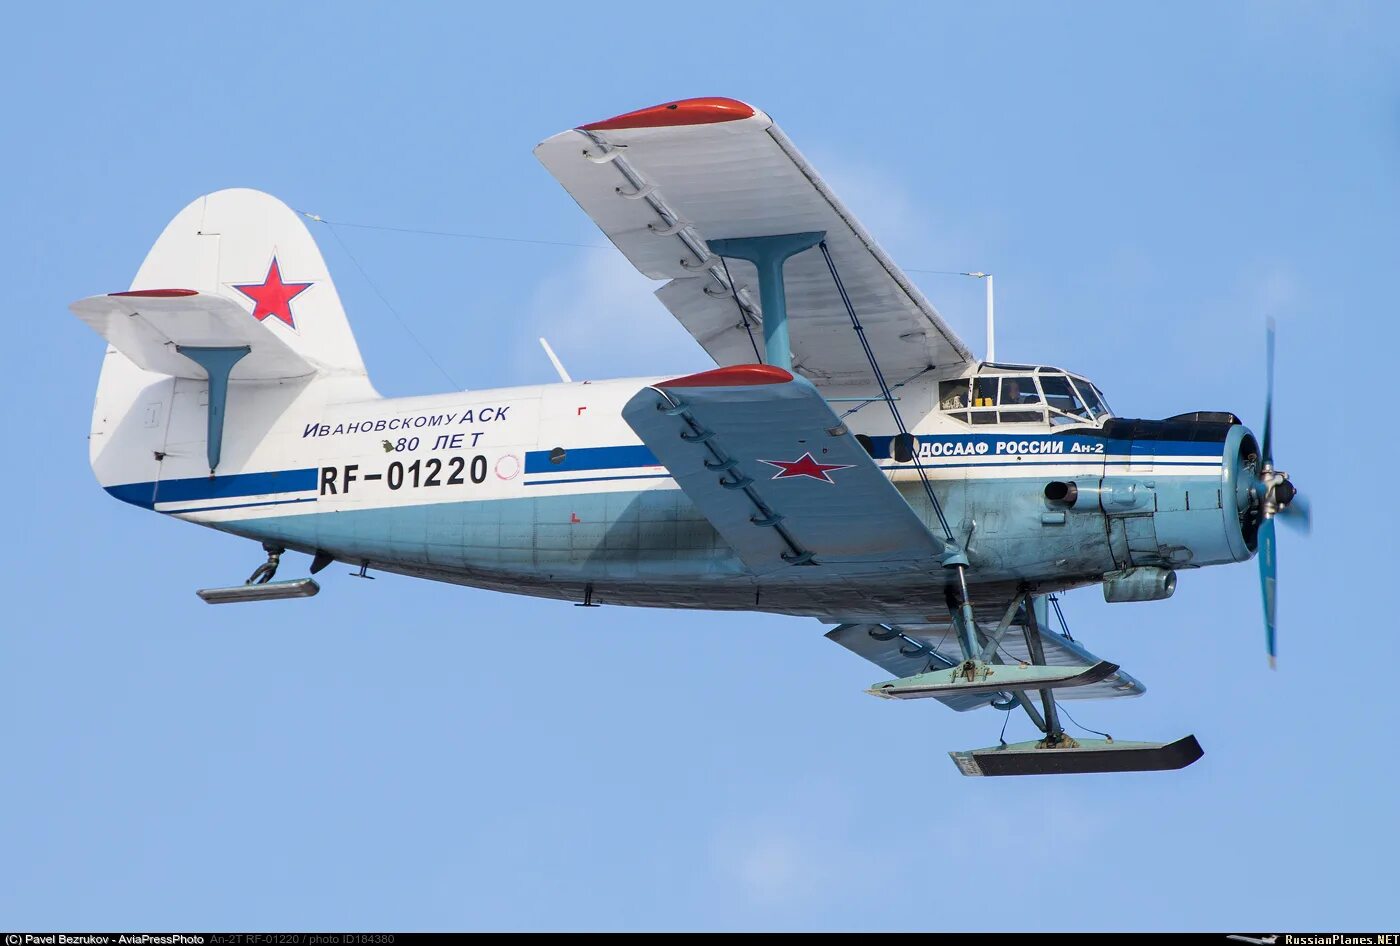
pixel 734 376
pixel 704 111
pixel 157 293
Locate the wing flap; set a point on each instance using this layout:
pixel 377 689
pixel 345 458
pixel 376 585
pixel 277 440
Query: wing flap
pixel 752 443
pixel 660 192
pixel 150 326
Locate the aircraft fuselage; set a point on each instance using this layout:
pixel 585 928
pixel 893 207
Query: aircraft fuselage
pixel 545 490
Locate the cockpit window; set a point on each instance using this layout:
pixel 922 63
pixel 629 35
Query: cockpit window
pixel 1061 397
pixel 1019 391
pixel 984 392
pixel 990 392
pixel 1021 399
pixel 1092 397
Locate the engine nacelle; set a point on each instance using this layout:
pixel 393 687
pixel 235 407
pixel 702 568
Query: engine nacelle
pixel 1139 584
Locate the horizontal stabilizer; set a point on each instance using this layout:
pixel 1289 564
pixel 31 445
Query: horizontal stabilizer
pixel 1083 756
pixel 150 326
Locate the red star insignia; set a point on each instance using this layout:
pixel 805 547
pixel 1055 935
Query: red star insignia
pixel 272 296
pixel 806 466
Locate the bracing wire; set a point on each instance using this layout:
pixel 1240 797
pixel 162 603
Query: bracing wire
pixel 457 234
pixel 920 373
pixel 743 313
pixel 1064 625
pixel 463 235
pixel 885 389
pixel 332 225
pixel 1061 707
pixel 388 305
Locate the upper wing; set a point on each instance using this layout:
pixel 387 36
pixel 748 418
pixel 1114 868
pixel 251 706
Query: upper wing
pixel 663 181
pixel 764 458
pixel 908 649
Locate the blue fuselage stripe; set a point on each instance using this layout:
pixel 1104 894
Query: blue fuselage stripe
pixel 616 460
pixel 582 459
pixel 600 479
pixel 1093 463
pixel 196 488
pixel 589 459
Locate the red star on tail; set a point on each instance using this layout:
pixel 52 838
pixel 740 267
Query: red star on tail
pixel 806 466
pixel 272 296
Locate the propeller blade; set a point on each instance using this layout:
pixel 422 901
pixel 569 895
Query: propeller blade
pixel 1268 582
pixel 1297 514
pixel 1266 449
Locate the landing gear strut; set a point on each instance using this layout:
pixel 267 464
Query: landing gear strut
pixel 264 572
pixel 1055 737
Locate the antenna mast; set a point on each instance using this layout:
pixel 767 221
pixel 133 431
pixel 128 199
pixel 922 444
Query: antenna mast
pixel 991 317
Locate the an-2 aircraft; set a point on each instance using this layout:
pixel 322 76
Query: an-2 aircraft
pixel 849 460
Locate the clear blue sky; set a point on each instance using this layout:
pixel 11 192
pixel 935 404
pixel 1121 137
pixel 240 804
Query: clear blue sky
pixel 1148 184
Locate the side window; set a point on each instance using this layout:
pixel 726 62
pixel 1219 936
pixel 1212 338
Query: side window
pixel 989 397
pixel 1023 417
pixel 1021 392
pixel 952 395
pixel 984 394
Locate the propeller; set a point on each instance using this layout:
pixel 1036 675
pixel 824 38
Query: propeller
pixel 1275 496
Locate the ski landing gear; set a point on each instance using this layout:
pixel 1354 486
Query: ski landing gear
pixel 1079 756
pixel 1058 753
pixel 260 586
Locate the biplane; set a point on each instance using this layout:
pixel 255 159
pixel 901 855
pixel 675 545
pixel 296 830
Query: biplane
pixel 848 459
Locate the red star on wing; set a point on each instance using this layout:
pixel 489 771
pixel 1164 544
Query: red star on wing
pixel 272 296
pixel 806 466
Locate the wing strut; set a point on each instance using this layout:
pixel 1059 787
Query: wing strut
pixel 768 254
pixel 954 556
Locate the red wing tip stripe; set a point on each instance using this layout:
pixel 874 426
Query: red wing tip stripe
pixel 702 111
pixel 734 376
pixel 157 293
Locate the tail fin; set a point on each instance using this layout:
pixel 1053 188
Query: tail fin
pixel 253 250
pixel 234 290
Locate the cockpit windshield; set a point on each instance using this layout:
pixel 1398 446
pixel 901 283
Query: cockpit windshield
pixel 999 394
pixel 1092 397
pixel 1063 400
